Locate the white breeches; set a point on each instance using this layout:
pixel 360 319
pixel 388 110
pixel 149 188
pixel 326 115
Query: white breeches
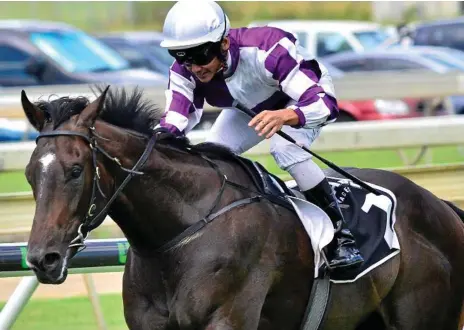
pixel 231 129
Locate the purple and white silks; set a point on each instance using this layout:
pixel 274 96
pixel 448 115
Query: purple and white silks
pixel 266 71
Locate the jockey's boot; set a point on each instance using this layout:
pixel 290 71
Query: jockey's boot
pixel 342 251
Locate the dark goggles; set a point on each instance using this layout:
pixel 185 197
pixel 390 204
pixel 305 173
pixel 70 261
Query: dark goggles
pixel 200 55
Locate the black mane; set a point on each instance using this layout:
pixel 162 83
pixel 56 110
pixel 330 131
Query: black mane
pixel 121 108
pixel 126 110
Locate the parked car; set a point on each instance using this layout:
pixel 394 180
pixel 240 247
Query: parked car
pixel 395 60
pixel 450 57
pixel 377 109
pixel 445 33
pixel 323 38
pixel 49 53
pixel 141 49
pixel 388 60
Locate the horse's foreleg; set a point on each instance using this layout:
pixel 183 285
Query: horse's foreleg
pixel 143 297
pixel 242 311
pixel 144 317
pixel 142 313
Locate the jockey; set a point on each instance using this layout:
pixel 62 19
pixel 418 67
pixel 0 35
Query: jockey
pixel 264 69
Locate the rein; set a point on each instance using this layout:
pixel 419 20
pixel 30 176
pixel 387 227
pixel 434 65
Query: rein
pixel 191 230
pixel 90 221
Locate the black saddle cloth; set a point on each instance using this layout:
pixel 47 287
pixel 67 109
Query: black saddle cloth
pixel 370 218
pixel 371 221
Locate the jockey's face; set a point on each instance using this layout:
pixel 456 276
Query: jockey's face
pixel 206 72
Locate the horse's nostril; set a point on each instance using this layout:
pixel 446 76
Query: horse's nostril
pixel 51 261
pixel 33 262
pixel 43 263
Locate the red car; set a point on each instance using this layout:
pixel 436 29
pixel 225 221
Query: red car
pixel 378 109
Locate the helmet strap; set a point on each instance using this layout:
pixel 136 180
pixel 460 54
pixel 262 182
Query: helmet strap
pixel 222 56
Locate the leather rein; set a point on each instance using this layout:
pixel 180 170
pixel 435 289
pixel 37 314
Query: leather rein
pixel 92 221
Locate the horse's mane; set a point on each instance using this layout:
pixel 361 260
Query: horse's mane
pixel 128 110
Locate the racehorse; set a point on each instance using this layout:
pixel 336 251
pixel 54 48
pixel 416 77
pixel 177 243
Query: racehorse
pixel 207 251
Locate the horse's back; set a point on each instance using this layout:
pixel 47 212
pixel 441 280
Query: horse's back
pixel 384 178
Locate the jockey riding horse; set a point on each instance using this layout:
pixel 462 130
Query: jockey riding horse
pixel 265 69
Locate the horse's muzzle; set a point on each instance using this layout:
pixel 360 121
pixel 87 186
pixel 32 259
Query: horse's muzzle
pixel 50 267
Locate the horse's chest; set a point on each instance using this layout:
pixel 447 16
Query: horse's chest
pixel 193 298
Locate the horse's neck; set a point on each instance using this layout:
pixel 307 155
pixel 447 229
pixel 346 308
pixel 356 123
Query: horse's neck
pixel 177 190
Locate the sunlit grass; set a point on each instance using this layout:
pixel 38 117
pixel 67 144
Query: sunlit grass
pixel 16 181
pixel 70 314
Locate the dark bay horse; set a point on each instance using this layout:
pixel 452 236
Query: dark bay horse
pixel 251 267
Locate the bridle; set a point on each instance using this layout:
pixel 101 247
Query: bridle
pixel 92 221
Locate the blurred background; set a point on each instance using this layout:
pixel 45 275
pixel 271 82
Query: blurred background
pixel 397 67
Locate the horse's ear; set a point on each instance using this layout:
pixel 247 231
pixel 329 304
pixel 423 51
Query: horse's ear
pixel 91 112
pixel 34 114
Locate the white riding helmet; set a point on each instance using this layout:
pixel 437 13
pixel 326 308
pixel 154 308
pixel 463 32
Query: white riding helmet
pixel 193 23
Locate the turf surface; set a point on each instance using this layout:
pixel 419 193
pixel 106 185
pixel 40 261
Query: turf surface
pixel 70 314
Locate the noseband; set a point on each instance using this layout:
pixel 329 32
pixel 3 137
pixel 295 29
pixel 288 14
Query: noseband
pixel 92 221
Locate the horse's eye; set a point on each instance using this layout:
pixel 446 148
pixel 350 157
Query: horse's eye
pixel 76 172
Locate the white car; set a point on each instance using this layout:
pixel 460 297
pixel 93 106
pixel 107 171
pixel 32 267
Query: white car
pixel 323 38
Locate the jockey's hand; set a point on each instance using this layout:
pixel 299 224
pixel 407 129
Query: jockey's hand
pixel 269 122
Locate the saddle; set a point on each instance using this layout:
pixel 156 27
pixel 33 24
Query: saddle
pixel 269 185
pixel 370 218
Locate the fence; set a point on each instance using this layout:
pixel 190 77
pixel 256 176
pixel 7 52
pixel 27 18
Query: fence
pixel 353 86
pixel 100 256
pixel 395 134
